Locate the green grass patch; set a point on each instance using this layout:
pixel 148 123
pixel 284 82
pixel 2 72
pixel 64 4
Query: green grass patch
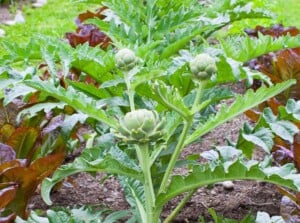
pixel 288 11
pixel 55 18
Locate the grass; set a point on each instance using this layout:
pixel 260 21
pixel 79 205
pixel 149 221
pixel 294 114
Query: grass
pixel 55 19
pixel 289 12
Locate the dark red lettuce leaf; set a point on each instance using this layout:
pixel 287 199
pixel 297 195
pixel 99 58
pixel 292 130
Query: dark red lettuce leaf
pixel 296 152
pixel 7 195
pixel 89 15
pixel 88 33
pixel 289 210
pixel 8 219
pixel 275 31
pixel 7 153
pixel 26 180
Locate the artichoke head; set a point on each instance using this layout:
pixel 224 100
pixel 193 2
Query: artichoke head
pixel 126 59
pixel 203 66
pixel 140 126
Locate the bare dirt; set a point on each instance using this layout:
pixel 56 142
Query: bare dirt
pixel 246 196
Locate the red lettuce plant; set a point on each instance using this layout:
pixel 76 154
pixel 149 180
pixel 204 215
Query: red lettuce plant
pixel 30 151
pixel 20 177
pixel 280 66
pixel 88 33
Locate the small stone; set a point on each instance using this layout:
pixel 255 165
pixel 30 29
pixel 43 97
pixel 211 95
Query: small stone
pixel 213 192
pixel 19 18
pixel 228 185
pixel 2 33
pixel 39 3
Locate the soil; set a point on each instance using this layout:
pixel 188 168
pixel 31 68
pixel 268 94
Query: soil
pixel 244 197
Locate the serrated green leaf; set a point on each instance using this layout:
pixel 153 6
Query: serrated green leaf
pixel 17 91
pixel 112 83
pixel 227 153
pixel 263 137
pixel 69 123
pixel 66 58
pixel 50 60
pixel 75 99
pixel 169 97
pixel 262 217
pixel 204 175
pixel 91 160
pixel 246 48
pixel 46 107
pixel 284 129
pixel 116 216
pixel 242 103
pixel 186 37
pixel 33 218
pixel 229 70
pixel 291 111
pixel 90 90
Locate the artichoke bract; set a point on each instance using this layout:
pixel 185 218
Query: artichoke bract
pixel 140 126
pixel 203 66
pixel 126 59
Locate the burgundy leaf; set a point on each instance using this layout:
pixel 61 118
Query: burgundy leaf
pixel 282 155
pixel 55 123
pixel 296 154
pixel 88 33
pixel 8 219
pixel 7 153
pixel 289 210
pixel 89 15
pixel 7 195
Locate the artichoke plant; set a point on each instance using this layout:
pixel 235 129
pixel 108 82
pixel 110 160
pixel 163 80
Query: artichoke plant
pixel 203 66
pixel 126 59
pixel 140 126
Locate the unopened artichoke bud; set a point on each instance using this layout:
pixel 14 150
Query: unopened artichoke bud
pixel 203 66
pixel 140 126
pixel 126 59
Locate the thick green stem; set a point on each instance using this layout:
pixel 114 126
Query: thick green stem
pixel 179 206
pixel 174 158
pixel 199 93
pixel 180 144
pixel 169 105
pixel 142 151
pixel 130 92
pixel 150 18
pixel 131 99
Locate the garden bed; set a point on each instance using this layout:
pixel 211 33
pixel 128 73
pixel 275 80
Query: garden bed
pixel 235 203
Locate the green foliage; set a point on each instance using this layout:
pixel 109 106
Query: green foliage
pixel 261 217
pixel 245 48
pixel 238 107
pixel 76 215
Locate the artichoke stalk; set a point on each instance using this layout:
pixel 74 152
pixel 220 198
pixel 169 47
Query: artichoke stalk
pixel 126 60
